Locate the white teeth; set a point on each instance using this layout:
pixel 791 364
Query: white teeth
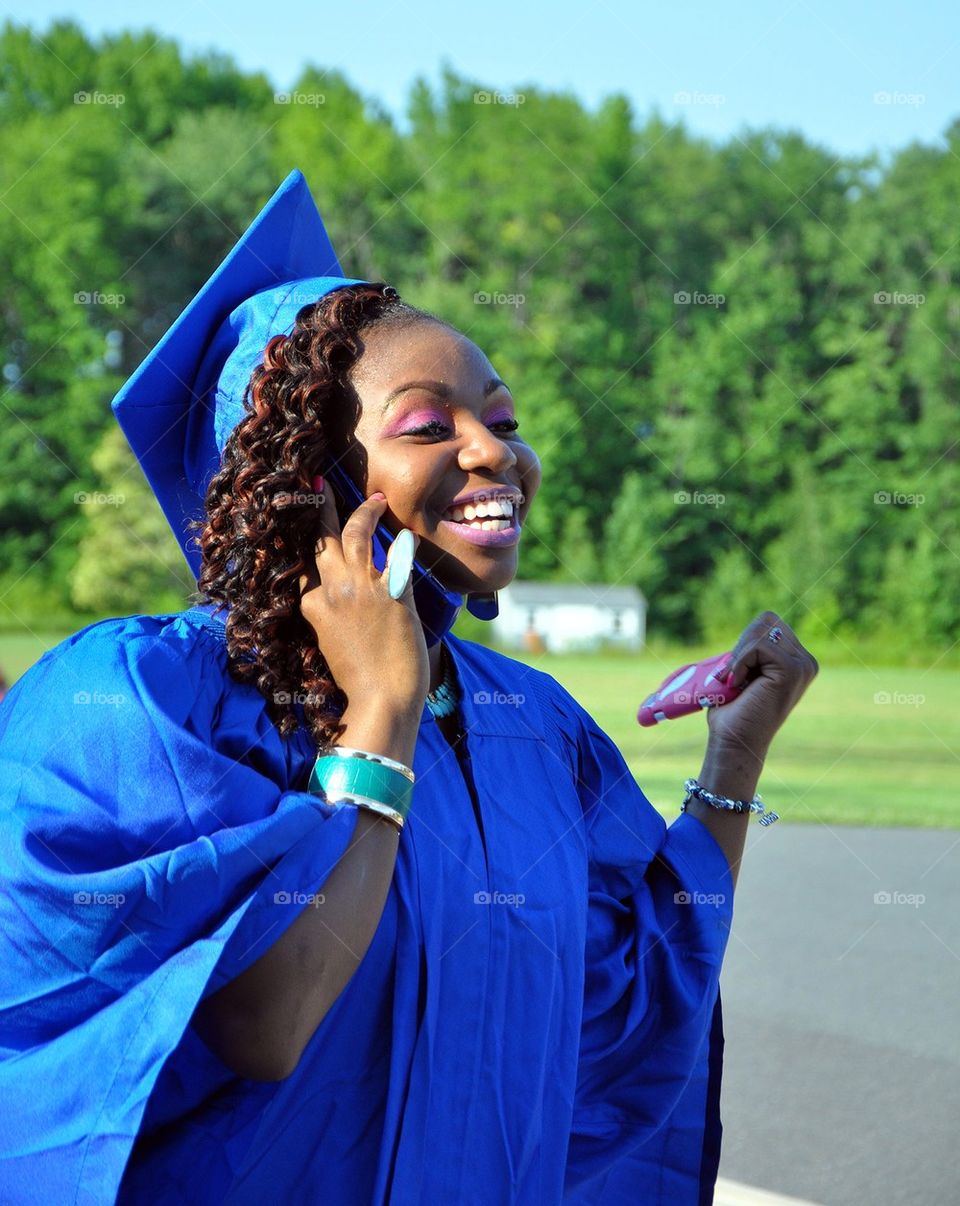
pixel 489 525
pixel 483 510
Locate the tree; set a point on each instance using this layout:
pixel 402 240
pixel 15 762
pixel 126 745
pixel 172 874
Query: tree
pixel 129 560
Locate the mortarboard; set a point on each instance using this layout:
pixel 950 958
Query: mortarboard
pixel 181 404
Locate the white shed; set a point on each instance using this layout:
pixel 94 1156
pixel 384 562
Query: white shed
pixel 562 616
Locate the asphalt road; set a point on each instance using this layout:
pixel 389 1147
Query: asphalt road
pixel 842 1017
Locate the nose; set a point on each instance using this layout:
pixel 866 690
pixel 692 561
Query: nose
pixel 485 450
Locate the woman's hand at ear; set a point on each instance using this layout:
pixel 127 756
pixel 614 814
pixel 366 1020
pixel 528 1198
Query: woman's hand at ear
pixel 373 644
pixel 260 1022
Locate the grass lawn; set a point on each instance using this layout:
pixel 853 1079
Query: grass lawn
pixel 844 757
pixel 19 651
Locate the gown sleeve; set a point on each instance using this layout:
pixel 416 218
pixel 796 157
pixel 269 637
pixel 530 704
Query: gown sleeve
pixel 646 1123
pixel 150 850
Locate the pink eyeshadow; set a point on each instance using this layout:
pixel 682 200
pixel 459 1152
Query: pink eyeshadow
pixel 416 418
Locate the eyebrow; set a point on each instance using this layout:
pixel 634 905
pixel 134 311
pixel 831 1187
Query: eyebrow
pixel 440 388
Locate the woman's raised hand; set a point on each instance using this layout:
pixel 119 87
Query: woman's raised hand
pixel 373 644
pixel 771 676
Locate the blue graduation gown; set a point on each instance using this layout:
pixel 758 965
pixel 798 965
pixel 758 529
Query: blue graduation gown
pixel 537 1019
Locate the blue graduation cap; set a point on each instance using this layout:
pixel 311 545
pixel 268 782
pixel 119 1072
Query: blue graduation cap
pixel 182 403
pixel 180 406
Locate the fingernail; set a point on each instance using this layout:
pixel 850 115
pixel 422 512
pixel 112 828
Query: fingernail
pixel 377 494
pixel 318 483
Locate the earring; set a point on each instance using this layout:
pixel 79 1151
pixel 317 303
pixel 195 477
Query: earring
pixel 484 606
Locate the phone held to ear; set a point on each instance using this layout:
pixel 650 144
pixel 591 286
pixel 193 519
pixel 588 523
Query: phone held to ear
pixel 436 606
pixel 687 690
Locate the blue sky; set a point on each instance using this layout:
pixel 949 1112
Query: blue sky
pixel 809 65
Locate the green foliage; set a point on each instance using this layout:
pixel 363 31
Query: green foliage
pixel 739 364
pixel 125 553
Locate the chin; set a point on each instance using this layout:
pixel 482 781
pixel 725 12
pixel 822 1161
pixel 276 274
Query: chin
pixel 490 572
pixel 498 577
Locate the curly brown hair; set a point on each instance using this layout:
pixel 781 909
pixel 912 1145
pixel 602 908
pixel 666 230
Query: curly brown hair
pixel 258 538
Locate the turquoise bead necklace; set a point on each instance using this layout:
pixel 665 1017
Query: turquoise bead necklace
pixel 443 701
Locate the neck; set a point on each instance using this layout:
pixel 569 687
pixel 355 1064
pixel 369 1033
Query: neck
pixel 435 654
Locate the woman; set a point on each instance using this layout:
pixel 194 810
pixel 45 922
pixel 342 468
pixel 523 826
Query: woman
pixel 497 985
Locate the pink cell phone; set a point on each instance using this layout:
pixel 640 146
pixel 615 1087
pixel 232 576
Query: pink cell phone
pixel 687 690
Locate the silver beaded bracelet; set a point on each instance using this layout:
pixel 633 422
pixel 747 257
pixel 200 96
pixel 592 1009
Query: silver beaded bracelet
pixel 694 790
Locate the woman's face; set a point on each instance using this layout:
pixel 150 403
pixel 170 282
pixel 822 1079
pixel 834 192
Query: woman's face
pixel 435 426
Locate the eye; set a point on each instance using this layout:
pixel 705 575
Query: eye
pixel 435 427
pixel 430 428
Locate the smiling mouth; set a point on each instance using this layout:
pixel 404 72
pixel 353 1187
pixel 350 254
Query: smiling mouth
pixel 492 515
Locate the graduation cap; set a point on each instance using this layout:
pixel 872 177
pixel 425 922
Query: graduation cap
pixel 180 406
